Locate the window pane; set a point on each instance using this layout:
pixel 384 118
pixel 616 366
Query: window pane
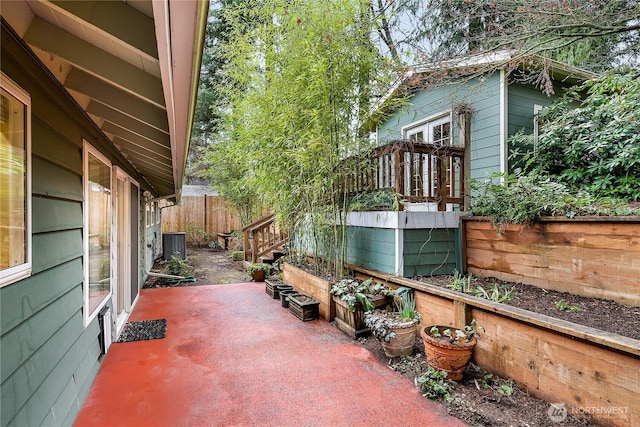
pixel 13 182
pixel 99 211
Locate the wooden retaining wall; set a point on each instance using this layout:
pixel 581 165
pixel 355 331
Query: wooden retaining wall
pixel 593 257
pixel 313 286
pixel 208 212
pixel 589 370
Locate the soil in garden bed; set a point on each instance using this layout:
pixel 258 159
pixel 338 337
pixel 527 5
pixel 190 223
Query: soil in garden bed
pixel 605 315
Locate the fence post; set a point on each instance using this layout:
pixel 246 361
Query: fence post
pixel 206 222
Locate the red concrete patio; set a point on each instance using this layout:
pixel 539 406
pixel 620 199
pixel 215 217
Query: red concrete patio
pixel 234 356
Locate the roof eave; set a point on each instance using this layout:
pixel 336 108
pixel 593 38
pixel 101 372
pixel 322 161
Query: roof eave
pixel 180 71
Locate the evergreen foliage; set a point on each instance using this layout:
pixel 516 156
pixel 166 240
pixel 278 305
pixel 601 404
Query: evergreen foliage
pixel 596 146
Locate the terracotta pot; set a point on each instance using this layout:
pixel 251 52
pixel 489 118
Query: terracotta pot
pixel 445 356
pixel 402 344
pixel 258 275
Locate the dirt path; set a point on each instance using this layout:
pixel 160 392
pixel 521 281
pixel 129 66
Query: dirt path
pixel 208 266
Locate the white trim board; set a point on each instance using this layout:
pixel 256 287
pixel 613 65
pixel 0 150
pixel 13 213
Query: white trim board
pixel 404 220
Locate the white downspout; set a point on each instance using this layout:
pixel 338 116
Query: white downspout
pixel 144 242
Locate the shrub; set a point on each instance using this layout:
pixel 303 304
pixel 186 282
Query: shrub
pixel 595 147
pixel 178 266
pixel 525 198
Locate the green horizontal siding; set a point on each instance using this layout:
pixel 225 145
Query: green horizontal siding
pixel 24 299
pixel 28 377
pixel 430 252
pixel 58 150
pixel 21 342
pixel 372 248
pixel 54 390
pixel 54 181
pixel 483 95
pixel 55 214
pixel 49 358
pixel 51 249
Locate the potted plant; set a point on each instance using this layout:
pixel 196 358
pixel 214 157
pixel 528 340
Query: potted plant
pixel 449 349
pixel 396 330
pixel 353 298
pixel 259 271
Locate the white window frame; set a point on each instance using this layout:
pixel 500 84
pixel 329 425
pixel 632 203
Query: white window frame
pixel 158 213
pixel 423 125
pixel 147 215
pixel 22 271
pixel 88 317
pixel 537 108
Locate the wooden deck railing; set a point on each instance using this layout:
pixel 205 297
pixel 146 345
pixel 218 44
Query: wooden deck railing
pixel 262 237
pixel 415 172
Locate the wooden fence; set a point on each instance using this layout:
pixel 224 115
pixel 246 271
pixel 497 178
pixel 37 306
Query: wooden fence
pixel 208 212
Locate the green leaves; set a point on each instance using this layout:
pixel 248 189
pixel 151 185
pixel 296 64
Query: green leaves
pixel 525 198
pixel 297 78
pixel 596 146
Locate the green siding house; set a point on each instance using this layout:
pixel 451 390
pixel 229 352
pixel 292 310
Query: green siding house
pixel 97 100
pixel 469 106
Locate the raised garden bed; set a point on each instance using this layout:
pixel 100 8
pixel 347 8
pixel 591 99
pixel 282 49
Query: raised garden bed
pixel 553 359
pixel 586 256
pixel 596 313
pixel 303 307
pixel 314 286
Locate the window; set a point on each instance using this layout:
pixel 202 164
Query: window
pixel 432 131
pixel 97 229
pixel 536 126
pixel 156 208
pixel 421 170
pixel 15 182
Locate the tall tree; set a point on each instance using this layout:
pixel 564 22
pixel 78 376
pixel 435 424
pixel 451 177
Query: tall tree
pixel 594 34
pixel 211 101
pixel 298 86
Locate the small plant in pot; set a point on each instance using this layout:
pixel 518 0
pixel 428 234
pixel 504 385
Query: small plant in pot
pixel 353 298
pixel 449 349
pixel 353 291
pixel 396 330
pixel 259 271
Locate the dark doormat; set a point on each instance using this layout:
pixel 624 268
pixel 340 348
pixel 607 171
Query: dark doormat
pixel 143 330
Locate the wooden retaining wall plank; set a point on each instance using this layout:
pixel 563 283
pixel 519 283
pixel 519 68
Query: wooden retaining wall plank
pixel 313 286
pixel 556 367
pixel 550 358
pixel 588 258
pixel 434 310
